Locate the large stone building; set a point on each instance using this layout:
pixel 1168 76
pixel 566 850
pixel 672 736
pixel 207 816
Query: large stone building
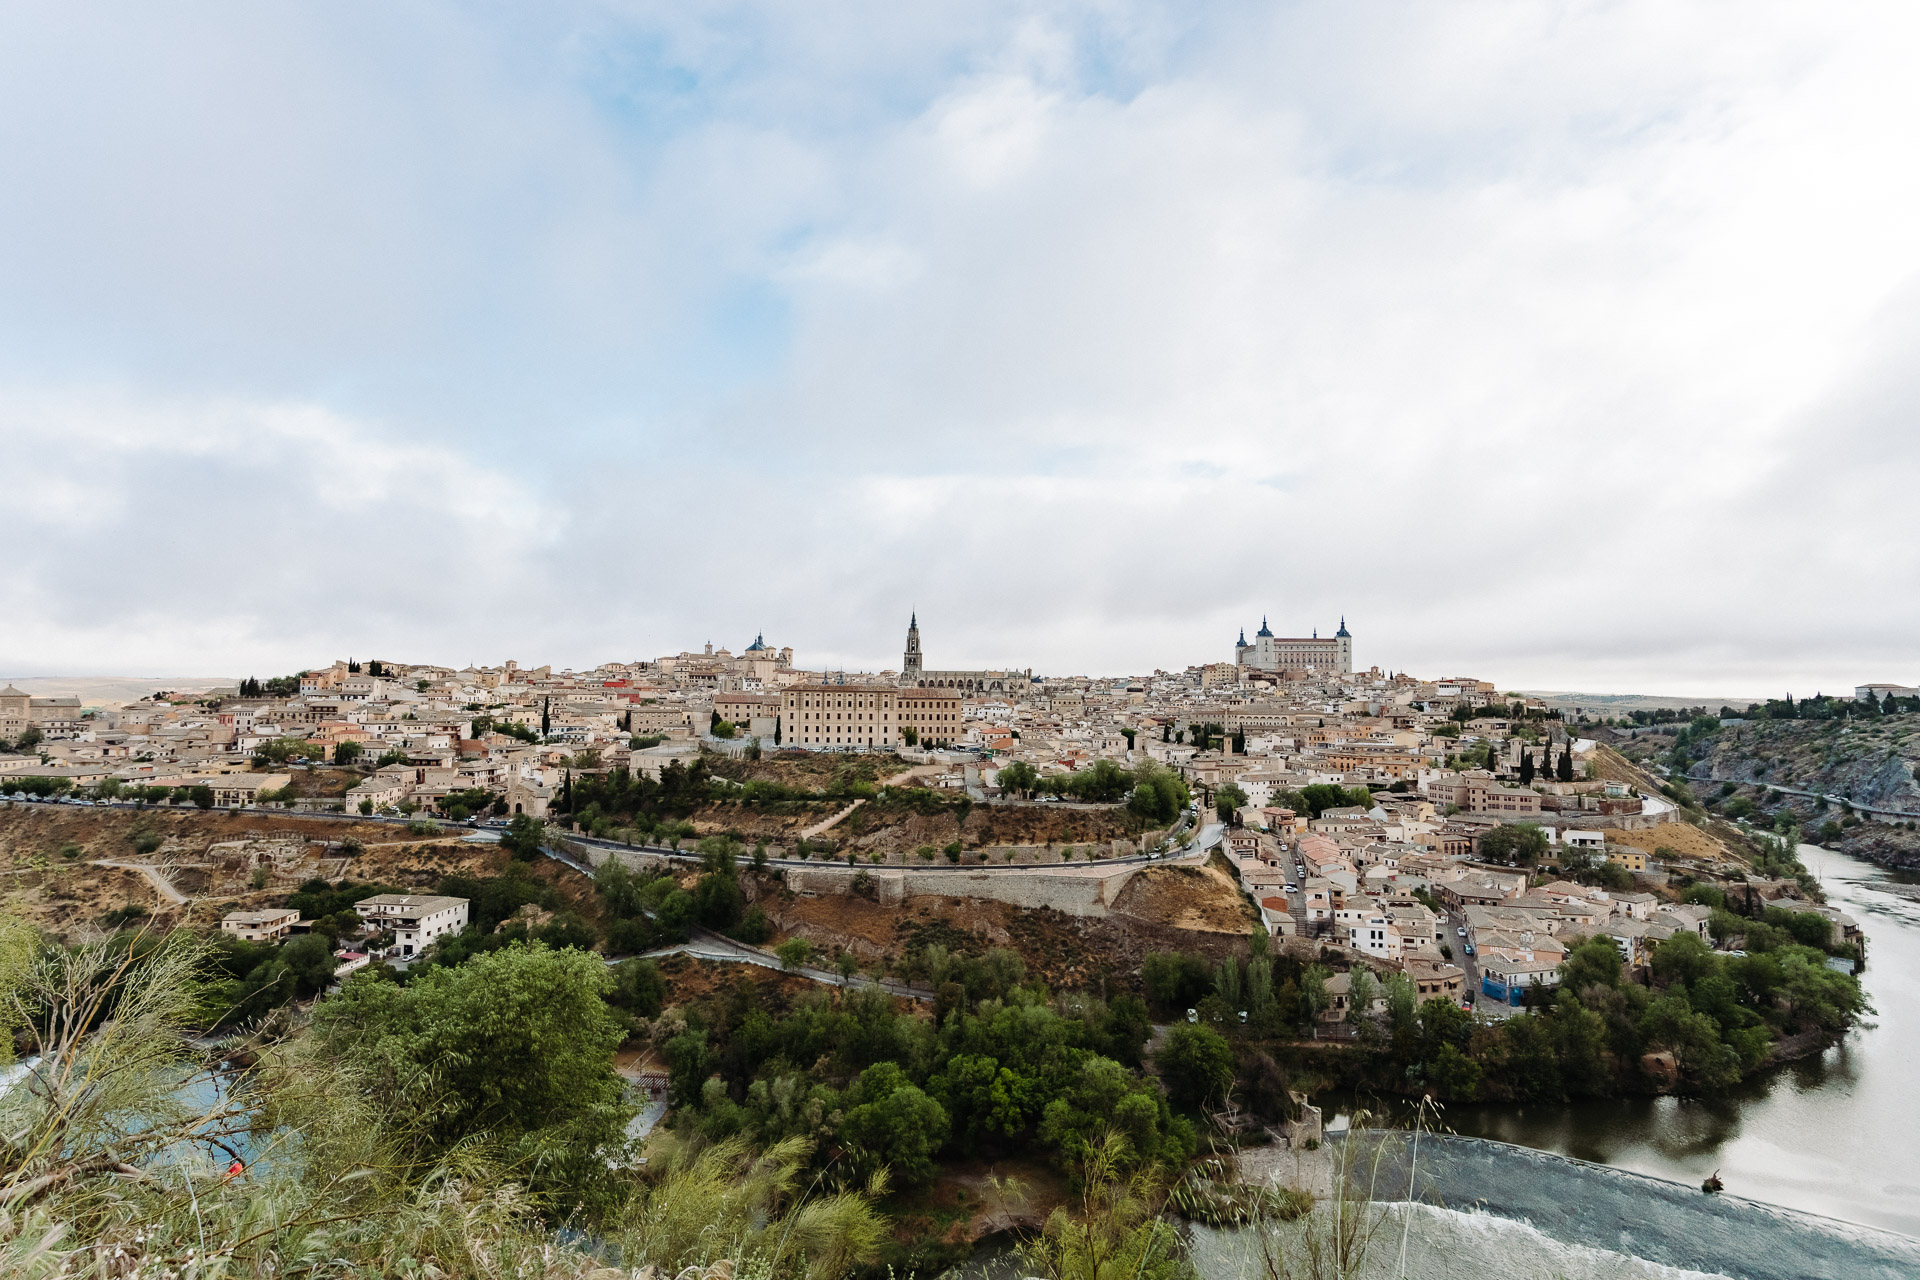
pixel 1009 684
pixel 1268 652
pixel 840 717
pixel 934 715
pixel 54 717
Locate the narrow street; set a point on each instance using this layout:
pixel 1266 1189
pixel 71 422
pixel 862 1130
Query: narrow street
pixel 1469 965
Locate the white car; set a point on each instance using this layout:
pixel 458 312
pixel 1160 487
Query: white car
pixel 1462 931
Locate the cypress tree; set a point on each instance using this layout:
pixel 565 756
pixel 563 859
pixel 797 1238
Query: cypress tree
pixel 1526 767
pixel 1566 764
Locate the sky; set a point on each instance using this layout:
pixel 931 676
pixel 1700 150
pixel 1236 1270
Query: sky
pixel 1565 345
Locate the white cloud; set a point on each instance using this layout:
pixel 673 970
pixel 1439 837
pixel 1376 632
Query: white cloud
pixel 1561 343
pixel 197 535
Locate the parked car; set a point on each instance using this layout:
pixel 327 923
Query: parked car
pixel 1462 931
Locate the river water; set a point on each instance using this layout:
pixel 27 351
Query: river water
pixel 1835 1136
pixel 1819 1160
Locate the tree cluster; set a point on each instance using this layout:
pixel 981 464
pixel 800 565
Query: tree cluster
pixel 1002 1070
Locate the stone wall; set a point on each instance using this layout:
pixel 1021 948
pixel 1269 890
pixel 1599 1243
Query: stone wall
pixel 1088 892
pixel 1089 889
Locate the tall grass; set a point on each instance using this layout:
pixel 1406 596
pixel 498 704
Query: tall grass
pixel 115 1147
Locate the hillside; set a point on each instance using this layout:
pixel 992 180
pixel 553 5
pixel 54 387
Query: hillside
pixel 1851 784
pixel 50 856
pixel 1871 763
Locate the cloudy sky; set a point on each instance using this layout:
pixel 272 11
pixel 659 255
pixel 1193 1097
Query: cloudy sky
pixel 1567 345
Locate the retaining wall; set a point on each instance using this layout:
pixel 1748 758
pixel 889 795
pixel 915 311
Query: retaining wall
pixel 1082 893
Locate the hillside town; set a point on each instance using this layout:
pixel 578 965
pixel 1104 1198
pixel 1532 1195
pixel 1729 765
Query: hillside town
pixel 1357 809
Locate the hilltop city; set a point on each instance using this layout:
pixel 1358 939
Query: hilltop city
pixel 891 927
pixel 1359 808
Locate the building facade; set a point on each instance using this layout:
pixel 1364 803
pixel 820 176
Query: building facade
pixel 934 715
pixel 1269 652
pixel 260 926
pixel 417 920
pixel 914 674
pixel 840 717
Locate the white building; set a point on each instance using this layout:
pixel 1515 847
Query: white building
pixel 260 926
pixel 416 920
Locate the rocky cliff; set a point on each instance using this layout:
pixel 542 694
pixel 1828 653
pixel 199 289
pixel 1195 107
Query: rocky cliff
pixel 1871 765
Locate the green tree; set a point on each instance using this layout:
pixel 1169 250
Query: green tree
pixel 1514 843
pixel 516 1044
pixel 310 959
pixel 523 837
pixel 619 889
pixel 1196 1065
pixel 1403 1007
pixel 201 795
pixel 1159 794
pixel 1018 778
pixel 1229 799
pixel 794 953
pixel 717 900
pixel 638 987
pixel 1453 1075
pixel 1594 963
pixel 893 1125
pixel 346 752
pixel 1362 991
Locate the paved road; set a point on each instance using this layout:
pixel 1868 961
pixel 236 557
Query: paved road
pixel 1869 809
pixel 1469 965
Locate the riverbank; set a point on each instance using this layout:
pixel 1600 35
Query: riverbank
pixel 1831 1134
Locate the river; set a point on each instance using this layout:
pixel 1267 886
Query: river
pixel 1834 1136
pixel 1817 1159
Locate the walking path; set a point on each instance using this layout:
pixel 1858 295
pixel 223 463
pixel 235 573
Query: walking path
pixel 1869 809
pixel 160 882
pixel 814 830
pixel 896 780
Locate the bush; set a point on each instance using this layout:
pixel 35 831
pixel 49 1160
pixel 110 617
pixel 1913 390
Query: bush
pixel 1196 1065
pixel 754 928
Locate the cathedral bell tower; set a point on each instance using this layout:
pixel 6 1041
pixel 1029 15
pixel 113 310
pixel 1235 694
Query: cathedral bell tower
pixel 910 664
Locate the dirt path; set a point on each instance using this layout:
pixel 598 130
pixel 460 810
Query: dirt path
pixel 814 830
pixel 896 780
pixel 162 885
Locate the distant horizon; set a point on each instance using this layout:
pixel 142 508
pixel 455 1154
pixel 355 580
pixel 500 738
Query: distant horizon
pixel 192 683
